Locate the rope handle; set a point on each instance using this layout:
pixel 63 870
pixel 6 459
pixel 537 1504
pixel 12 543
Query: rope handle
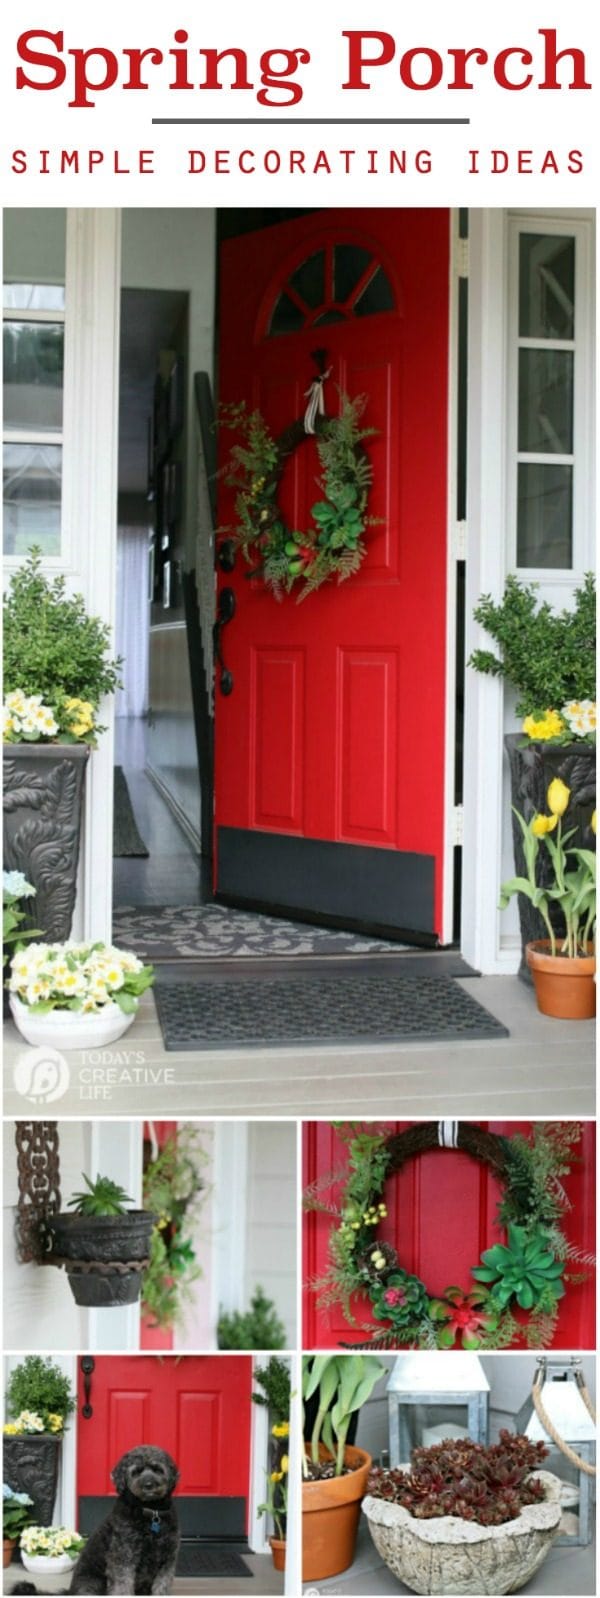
pixel 550 1428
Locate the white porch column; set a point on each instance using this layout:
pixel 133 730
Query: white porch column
pixel 486 569
pixel 230 1196
pixel 117 1152
pixel 91 393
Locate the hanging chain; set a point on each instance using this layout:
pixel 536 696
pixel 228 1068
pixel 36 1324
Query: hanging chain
pixel 38 1169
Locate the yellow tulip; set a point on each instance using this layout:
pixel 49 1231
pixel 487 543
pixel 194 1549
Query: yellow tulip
pixel 543 824
pixel 276 1475
pixel 558 796
pixel 284 1464
pixel 593 821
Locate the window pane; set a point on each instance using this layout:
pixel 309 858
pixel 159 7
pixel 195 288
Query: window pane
pixel 546 286
pixel 544 515
pixel 350 261
pixel 32 492
pixel 34 247
pixel 377 296
pixel 33 297
pixel 287 318
pixel 33 375
pixel 309 280
pixel 546 401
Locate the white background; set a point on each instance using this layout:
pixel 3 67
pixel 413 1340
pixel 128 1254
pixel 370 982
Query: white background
pixel 531 119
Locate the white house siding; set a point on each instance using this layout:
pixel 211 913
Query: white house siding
pixel 40 1311
pixel 271 1218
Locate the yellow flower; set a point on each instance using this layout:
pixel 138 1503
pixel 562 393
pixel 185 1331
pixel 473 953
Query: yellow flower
pixel 593 821
pixel 558 796
pixel 276 1475
pixel 543 824
pixel 284 1464
pixel 550 725
pixel 281 1429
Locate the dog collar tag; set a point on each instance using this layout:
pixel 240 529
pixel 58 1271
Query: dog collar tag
pixel 155 1523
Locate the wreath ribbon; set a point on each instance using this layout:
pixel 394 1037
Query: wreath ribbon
pixel 316 400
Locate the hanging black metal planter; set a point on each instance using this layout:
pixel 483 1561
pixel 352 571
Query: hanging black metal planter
pixel 104 1256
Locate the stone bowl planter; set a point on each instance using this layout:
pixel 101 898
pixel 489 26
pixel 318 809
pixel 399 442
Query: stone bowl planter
pixel 449 1555
pixel 70 1029
pixel 96 1251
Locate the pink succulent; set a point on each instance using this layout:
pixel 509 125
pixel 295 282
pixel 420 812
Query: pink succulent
pixel 394 1296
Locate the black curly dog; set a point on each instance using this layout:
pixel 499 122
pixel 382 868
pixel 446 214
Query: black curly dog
pixel 135 1548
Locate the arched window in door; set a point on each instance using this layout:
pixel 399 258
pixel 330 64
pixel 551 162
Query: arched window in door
pixel 333 284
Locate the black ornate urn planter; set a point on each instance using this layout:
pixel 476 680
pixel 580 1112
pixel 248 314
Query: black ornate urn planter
pixel 31 1466
pixel 43 800
pixel 532 768
pixel 104 1255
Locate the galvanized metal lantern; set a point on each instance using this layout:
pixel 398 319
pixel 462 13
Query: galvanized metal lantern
pixel 432 1397
pixel 557 1388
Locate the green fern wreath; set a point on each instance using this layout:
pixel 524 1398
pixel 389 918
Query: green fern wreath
pixel 529 1270
pixel 334 546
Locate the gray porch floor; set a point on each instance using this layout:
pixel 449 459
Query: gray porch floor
pixel 564 1571
pixel 545 1068
pixel 264 1581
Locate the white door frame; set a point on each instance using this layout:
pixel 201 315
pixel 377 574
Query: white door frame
pixel 490 436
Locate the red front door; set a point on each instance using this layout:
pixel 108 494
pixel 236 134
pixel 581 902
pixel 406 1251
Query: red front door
pixel 197 1407
pixel 441 1215
pixel 329 751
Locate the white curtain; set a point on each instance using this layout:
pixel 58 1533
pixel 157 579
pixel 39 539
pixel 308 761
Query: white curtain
pixel 132 627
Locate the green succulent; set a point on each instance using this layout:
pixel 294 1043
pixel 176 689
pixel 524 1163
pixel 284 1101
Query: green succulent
pixel 102 1198
pixel 525 1268
pixel 400 1298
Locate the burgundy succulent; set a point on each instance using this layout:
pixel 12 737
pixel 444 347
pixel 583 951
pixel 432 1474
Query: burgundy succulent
pixel 463 1478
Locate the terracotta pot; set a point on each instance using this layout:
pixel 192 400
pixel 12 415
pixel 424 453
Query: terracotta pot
pixel 278 1552
pixel 8 1547
pixel 330 1514
pixel 564 988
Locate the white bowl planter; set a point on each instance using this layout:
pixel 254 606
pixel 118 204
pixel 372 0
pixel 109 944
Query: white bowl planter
pixel 449 1555
pixel 70 1029
pixel 45 1565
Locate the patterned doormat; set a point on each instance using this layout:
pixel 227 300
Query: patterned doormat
pixel 204 1559
pixel 214 932
pixel 329 1004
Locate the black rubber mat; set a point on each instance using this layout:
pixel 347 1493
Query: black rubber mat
pixel 202 1559
pixel 327 1004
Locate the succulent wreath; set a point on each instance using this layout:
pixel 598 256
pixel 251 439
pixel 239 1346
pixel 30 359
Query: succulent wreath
pixel 529 1270
pixel 335 545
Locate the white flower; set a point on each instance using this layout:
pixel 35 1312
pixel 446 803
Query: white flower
pixel 7 722
pixel 15 882
pixel 580 716
pixel 15 701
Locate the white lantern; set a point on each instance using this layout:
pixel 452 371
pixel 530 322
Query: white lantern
pixel 433 1396
pixel 558 1383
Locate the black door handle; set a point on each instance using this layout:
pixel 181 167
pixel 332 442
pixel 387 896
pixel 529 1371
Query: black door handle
pixel 225 614
pixel 88 1366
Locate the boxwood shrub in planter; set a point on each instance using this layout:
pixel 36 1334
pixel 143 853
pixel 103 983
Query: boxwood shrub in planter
pixel 103 1246
pixel 549 659
pixel 462 1518
pixel 57 668
pixel 39 1401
